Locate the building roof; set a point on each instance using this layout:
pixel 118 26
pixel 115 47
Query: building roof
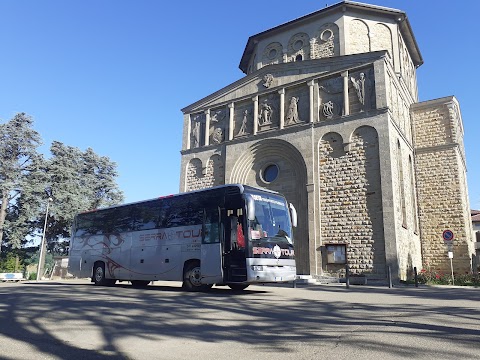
pixel 475 215
pixel 398 15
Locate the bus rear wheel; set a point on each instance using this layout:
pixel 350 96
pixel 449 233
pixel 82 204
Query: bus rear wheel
pixel 99 275
pixel 192 278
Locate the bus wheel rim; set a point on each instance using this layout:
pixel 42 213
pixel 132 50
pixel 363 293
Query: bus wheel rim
pixel 195 277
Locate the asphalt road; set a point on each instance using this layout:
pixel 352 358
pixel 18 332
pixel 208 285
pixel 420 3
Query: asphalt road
pixel 77 320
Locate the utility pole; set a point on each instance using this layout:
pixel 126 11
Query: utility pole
pixel 43 245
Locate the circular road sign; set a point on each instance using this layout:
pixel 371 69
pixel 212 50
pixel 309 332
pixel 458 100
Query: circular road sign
pixel 447 235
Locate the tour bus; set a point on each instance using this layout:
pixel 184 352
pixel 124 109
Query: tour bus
pixel 232 235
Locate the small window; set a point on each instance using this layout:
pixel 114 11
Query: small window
pixel 336 254
pixel 270 173
pixel 299 58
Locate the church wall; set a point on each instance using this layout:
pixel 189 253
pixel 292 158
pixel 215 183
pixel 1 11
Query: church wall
pixel 408 246
pixel 351 200
pixel 443 199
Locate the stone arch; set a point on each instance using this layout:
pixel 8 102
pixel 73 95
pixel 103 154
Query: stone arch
pixel 382 38
pixel 194 175
pixel 351 211
pixel 215 171
pixel 200 176
pixel 359 36
pixel 327 42
pixel 291 182
pixel 298 45
pixel 332 145
pixel 273 54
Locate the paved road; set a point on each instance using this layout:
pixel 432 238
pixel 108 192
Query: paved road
pixel 76 320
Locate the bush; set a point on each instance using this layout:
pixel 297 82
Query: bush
pixel 434 277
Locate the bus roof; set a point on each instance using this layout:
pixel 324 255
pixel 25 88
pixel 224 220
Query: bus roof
pixel 240 187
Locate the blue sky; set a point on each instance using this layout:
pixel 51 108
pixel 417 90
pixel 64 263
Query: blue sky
pixel 113 74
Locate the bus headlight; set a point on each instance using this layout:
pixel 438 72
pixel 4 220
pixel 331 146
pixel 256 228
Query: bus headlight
pixel 257 267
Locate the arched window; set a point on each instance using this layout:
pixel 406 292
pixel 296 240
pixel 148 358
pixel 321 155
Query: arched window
pixel 299 57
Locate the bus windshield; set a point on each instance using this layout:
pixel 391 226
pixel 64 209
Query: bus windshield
pixel 272 220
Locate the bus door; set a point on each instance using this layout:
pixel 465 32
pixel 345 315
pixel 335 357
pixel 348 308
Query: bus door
pixel 211 260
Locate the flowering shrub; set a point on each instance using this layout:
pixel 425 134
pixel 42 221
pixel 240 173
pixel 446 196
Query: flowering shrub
pixel 440 278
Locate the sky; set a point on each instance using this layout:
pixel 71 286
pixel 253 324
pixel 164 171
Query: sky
pixel 114 75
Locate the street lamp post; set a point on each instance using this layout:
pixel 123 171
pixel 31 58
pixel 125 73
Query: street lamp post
pixel 42 243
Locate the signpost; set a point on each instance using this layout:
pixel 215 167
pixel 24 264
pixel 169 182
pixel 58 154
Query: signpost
pixel 448 238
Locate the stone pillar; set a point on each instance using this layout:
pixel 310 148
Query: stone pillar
pixel 207 127
pixel 346 102
pixel 188 120
pixel 231 124
pixel 282 108
pixel 255 115
pixel 312 100
pixel 312 48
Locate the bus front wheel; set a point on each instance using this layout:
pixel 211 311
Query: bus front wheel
pixel 192 279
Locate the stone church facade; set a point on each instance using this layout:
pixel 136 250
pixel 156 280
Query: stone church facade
pixel 328 115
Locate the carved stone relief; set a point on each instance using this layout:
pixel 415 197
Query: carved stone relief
pixel 292 113
pixel 243 128
pixel 363 86
pixel 268 80
pixel 197 130
pixel 218 125
pixel 331 98
pixel 297 105
pixel 268 113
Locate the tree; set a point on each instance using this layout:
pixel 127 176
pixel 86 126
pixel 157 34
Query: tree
pixel 77 181
pixel 18 158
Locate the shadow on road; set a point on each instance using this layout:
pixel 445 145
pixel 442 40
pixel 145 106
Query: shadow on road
pixel 264 317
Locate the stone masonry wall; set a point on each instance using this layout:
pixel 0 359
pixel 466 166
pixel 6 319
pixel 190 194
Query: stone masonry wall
pixel 442 200
pixel 351 200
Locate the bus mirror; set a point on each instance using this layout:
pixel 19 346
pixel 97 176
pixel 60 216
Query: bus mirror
pixel 293 215
pixel 250 208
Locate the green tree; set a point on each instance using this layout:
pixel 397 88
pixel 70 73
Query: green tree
pixel 77 181
pixel 18 158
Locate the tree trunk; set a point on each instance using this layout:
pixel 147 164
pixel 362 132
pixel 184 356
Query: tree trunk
pixel 3 215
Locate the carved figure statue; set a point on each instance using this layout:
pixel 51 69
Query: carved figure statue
pixel 363 88
pixel 266 111
pixel 268 80
pixel 196 134
pixel 243 128
pixel 292 114
pixel 217 135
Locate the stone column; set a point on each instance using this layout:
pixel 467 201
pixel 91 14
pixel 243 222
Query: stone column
pixel 255 115
pixel 312 100
pixel 188 119
pixel 282 108
pixel 231 124
pixel 346 102
pixel 312 48
pixel 207 127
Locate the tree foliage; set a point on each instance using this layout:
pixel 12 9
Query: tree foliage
pixel 18 158
pixel 74 180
